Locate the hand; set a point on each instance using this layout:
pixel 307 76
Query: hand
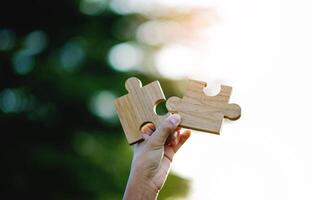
pixel 152 158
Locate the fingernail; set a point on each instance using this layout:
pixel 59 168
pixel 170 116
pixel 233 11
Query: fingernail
pixel 175 119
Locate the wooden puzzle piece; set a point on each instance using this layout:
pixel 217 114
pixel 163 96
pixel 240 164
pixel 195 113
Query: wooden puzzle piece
pixel 201 112
pixel 139 107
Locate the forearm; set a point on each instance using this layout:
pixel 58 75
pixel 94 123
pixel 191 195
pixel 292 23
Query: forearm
pixel 139 189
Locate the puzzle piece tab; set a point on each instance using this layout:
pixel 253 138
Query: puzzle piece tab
pixel 138 107
pixel 201 112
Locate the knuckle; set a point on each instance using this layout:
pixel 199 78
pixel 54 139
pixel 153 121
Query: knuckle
pixel 153 143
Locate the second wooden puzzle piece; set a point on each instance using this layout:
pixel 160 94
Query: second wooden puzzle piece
pixel 138 107
pixel 201 112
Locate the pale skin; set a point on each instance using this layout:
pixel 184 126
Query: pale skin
pixel 152 158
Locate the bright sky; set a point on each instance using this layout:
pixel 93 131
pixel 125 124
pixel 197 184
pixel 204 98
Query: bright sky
pixel 263 49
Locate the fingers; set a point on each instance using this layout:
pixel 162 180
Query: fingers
pixel 173 138
pixel 182 139
pixel 148 128
pixel 168 126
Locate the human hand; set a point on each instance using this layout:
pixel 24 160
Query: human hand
pixel 152 158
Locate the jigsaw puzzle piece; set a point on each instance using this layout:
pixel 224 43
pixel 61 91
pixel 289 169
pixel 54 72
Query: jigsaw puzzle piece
pixel 138 107
pixel 221 101
pixel 201 112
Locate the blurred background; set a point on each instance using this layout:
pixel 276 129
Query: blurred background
pixel 62 63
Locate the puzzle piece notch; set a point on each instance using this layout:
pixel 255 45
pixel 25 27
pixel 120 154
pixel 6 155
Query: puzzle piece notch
pixel 138 107
pixel 202 112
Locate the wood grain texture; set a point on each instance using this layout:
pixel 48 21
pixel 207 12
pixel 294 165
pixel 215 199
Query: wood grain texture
pixel 139 107
pixel 201 112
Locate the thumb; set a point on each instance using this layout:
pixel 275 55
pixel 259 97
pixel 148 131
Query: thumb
pixel 168 126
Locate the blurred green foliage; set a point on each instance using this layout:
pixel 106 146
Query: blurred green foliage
pixel 60 137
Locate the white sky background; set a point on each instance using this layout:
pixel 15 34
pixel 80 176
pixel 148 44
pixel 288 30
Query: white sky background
pixel 263 48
